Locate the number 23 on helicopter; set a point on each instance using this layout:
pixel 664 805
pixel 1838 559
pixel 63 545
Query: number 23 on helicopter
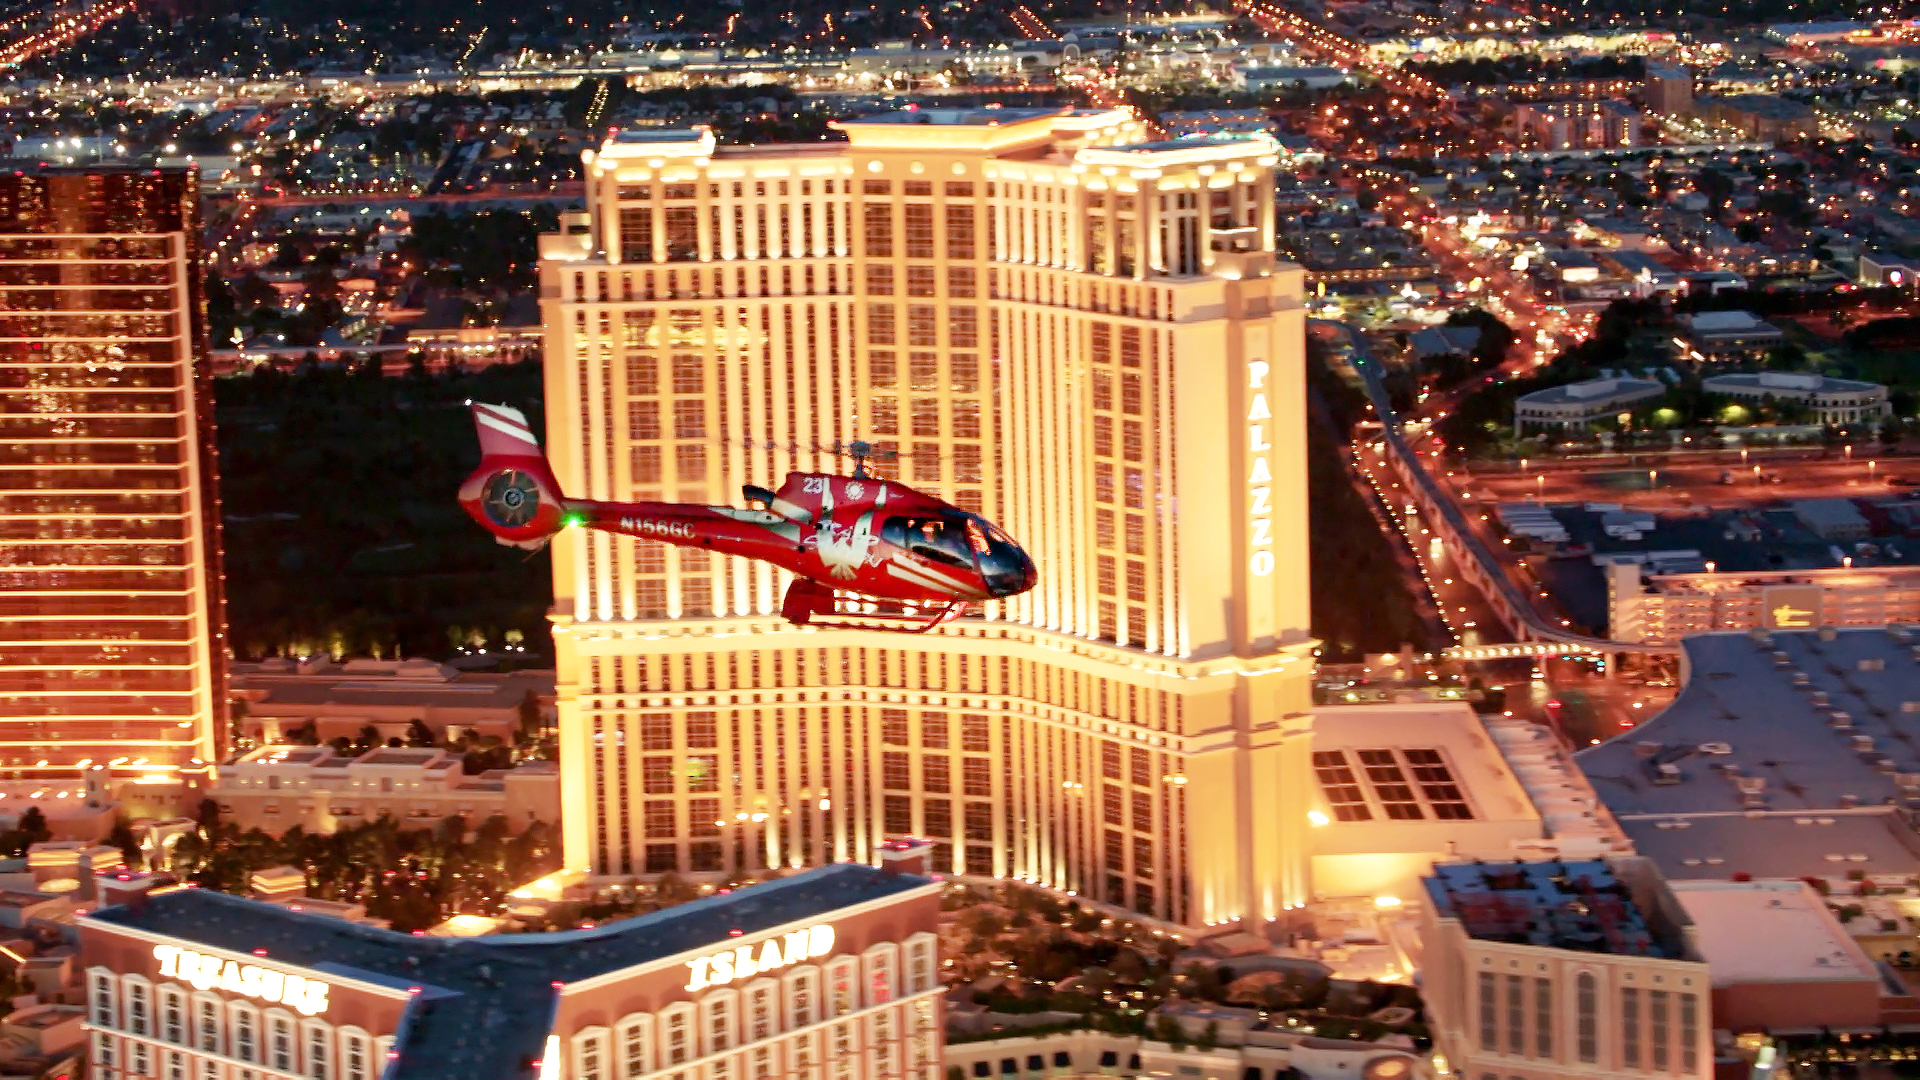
pixel 865 553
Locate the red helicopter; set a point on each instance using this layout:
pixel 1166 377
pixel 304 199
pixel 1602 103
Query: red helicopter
pixel 866 553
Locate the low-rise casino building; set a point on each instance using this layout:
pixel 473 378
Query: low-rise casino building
pixel 830 974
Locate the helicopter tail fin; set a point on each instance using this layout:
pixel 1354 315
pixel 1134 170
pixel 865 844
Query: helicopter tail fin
pixel 513 493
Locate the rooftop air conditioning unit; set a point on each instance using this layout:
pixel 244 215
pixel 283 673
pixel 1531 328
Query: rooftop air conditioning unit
pixel 1751 785
pixel 1666 773
pixel 1863 743
pixel 1717 749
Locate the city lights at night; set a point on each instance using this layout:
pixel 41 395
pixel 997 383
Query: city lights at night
pixel 1259 540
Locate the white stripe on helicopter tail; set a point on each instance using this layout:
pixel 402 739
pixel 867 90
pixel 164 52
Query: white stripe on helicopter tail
pixel 519 434
pixel 506 412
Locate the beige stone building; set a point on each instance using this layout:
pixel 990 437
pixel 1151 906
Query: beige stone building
pixel 1082 335
pixel 321 789
pixel 1563 969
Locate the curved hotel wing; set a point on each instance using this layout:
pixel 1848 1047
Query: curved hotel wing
pixel 1081 334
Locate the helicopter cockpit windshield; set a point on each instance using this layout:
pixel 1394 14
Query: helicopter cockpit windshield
pixel 965 540
pixel 941 538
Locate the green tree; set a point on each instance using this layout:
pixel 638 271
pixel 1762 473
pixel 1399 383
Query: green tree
pixel 121 836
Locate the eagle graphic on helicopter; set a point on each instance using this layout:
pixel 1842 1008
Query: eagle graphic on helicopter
pixel 866 553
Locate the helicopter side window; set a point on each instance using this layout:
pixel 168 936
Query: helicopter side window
pixel 930 538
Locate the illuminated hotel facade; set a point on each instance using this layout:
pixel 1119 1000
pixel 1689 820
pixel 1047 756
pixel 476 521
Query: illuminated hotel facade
pixel 1084 336
pixel 828 975
pixel 112 631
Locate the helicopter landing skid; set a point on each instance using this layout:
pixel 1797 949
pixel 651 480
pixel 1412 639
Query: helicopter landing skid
pixel 808 603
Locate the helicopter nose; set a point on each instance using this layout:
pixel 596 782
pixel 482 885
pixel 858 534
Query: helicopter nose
pixel 1017 579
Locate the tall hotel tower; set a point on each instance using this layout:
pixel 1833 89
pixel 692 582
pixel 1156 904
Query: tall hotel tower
pixel 112 632
pixel 1078 333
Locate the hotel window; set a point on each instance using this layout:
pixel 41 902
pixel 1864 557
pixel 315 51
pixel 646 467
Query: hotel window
pixel 762 1063
pixel 961 281
pixel 137 1014
pixel 353 1055
pixel 1657 1026
pixel 1438 786
pixel 245 1033
pixel 1587 1004
pixel 1340 786
pixel 879 279
pixel 1630 1027
pixel 897 815
pixel 1390 785
pixel 209 1025
pixel 280 1041
pixel 801 988
pixel 683 233
pixel 878 222
pixel 975 734
pixel 636 234
pixel 588 1056
pixel 919 229
pixel 920 948
pixel 935 775
pixel 173 1016
pixel 660 819
pixel 635 1059
pixel 703 772
pixel 880 978
pixel 719 1022
pixel 103 1053
pixel 656 774
pixel 805 1056
pixel 1689 1033
pixel 841 976
pixel 679 1036
pixel 894 770
pixel 923 325
pixel 1489 1012
pixel 1516 1015
pixel 319 1058
pixel 759 1011
pixel 1543 1018
pixel 880 324
pixel 100 1000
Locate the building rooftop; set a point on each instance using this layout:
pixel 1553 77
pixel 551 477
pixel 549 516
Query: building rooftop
pixel 982 117
pixel 1786 381
pixel 1770 932
pixel 414 684
pixel 1722 322
pixel 1787 721
pixel 1874 842
pixel 1595 390
pixel 482 1013
pixel 1580 906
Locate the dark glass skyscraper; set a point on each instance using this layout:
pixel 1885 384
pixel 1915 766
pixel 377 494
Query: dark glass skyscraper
pixel 112 626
